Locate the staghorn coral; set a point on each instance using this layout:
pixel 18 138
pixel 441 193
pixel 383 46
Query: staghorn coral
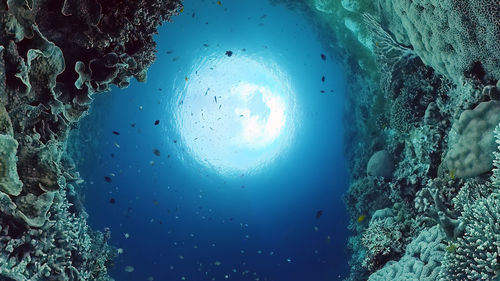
pixel 54 56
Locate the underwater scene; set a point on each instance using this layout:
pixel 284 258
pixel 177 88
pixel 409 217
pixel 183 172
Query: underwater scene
pixel 264 140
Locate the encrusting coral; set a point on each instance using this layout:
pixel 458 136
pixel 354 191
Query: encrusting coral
pixel 54 55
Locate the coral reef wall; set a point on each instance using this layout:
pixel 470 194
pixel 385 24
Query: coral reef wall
pixel 54 56
pixel 422 106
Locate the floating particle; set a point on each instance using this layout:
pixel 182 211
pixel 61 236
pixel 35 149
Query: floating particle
pixel 119 251
pixel 126 235
pixel 217 263
pixel 229 53
pixel 316 228
pixel 241 115
pixel 175 141
pixel 152 163
pixel 116 133
pixel 169 52
pixel 117 145
pixel 193 15
pixel 159 89
pixel 156 152
pixel 271 253
pixel 112 201
pixel 181 257
pixel 182 10
pixel 132 125
pixel 140 107
pixel 129 268
pixel 323 57
pixel 155 202
pixel 157 122
pixel 112 155
pixel 319 213
pixel 289 260
pixel 108 179
pixel 151 278
pixel 176 58
pixel 323 79
pixel 259 252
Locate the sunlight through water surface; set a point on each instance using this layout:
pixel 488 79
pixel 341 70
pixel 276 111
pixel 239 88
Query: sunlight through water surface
pixel 234 113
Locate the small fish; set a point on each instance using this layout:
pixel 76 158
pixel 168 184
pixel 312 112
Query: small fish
pixel 361 218
pixel 112 155
pixel 319 213
pixel 175 59
pixel 241 115
pixel 117 145
pixel 322 91
pixel 219 3
pixel 451 248
pixel 175 141
pixel 157 122
pixel 263 16
pixel 140 107
pixel 229 53
pixel 323 57
pixel 206 92
pixel 156 152
pixel 244 50
pixel 132 125
pixel 205 45
pixel 159 89
pixel 112 201
pixel 116 133
pixel 219 108
pixel 182 10
pixel 323 79
pixel 186 78
pixel 193 15
pixel 215 98
pixel 152 163
pixel 129 268
pixel 169 52
pixel 108 179
pixel 452 174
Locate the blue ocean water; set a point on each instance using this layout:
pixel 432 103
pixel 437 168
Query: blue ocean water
pixel 189 197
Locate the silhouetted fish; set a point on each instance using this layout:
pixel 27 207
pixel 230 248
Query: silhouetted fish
pixel 229 53
pixel 112 201
pixel 215 98
pixel 108 179
pixel 169 52
pixel 156 152
pixel 323 79
pixel 157 122
pixel 322 91
pixel 323 57
pixel 319 214
pixel 116 133
pixel 132 125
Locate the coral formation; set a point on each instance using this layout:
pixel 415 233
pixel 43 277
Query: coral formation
pixel 54 55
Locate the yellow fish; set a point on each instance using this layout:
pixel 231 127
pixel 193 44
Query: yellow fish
pixel 452 174
pixel 219 3
pixel 361 218
pixel 451 248
pixel 182 9
pixel 186 78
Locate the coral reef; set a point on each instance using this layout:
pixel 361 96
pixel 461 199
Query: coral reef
pixel 431 104
pixel 54 55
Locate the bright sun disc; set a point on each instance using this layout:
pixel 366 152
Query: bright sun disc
pixel 234 114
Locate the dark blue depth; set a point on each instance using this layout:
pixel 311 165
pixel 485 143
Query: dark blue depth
pixel 183 220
